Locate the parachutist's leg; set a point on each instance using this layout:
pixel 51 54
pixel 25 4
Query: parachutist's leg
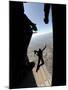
pixel 38 65
pixel 42 61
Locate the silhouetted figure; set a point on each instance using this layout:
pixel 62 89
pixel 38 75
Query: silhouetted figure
pixel 39 53
pixel 46 10
pixel 59 41
pixel 28 31
pixel 21 30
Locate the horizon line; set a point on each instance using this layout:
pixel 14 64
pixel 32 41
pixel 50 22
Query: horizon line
pixel 40 33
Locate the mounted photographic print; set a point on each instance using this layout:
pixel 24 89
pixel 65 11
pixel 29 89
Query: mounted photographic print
pixel 37 35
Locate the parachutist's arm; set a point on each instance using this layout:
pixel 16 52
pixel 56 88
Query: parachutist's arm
pixel 44 48
pixel 35 52
pixel 46 13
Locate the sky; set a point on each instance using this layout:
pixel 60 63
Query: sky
pixel 35 12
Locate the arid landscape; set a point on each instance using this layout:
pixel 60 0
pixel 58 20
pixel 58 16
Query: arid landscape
pixel 39 41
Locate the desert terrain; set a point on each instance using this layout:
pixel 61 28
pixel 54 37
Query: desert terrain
pixel 44 75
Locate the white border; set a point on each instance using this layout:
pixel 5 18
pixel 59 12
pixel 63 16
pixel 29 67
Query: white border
pixel 4 43
pixel 47 1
